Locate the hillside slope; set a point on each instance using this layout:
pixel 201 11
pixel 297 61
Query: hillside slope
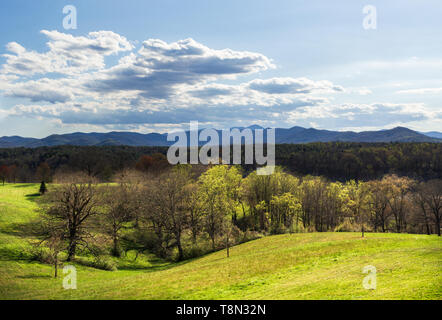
pixel 282 135
pixel 297 266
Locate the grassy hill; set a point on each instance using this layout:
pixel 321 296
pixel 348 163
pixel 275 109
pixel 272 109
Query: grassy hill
pixel 298 266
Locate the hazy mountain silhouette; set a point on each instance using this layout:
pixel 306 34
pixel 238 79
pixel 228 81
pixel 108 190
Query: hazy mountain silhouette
pixel 283 135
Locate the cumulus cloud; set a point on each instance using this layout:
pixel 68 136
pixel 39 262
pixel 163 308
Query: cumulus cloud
pixel 159 68
pixel 67 54
pixel 114 113
pixel 45 89
pixel 293 86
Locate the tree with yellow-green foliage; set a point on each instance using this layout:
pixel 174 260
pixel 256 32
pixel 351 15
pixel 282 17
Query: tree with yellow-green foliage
pixel 219 189
pixel 284 212
pixel 358 202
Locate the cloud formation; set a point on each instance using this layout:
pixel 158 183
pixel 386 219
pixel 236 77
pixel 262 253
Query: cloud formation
pixel 293 86
pixel 169 84
pixel 67 54
pixel 158 68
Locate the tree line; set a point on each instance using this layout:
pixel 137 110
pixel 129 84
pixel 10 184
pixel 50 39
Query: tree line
pixel 334 160
pixel 185 211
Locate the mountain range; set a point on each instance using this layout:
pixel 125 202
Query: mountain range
pixel 283 135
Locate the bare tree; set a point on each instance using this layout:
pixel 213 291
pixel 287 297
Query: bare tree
pixel 167 202
pixel 119 208
pixel 56 245
pixel 398 189
pixel 195 208
pixel 429 198
pixel 71 205
pixel 379 204
pixel 434 196
pixel 52 239
pixel 420 200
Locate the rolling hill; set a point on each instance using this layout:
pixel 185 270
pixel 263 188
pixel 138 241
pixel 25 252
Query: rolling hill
pixel 290 266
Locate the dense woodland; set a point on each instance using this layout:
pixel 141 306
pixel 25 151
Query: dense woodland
pixel 336 161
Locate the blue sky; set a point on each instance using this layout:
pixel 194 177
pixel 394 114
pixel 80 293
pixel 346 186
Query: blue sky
pixel 156 65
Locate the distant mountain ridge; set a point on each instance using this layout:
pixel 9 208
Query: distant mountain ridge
pixel 433 134
pixel 283 135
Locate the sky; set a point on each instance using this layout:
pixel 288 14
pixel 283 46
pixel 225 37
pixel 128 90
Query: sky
pixel 145 66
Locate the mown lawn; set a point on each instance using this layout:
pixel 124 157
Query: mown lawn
pixel 298 266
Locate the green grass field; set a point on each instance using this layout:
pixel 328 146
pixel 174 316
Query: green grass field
pixel 298 266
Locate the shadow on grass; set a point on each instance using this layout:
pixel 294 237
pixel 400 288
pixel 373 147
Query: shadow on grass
pixel 152 268
pixel 159 264
pixel 35 276
pixel 24 229
pixel 33 196
pixel 156 264
pixel 24 185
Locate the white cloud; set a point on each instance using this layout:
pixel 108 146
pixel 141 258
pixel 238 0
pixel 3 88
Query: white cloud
pixel 421 91
pixel 293 86
pixel 376 115
pixel 67 54
pixel 159 68
pixel 45 89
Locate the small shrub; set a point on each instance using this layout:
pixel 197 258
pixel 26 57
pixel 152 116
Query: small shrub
pixel 41 255
pixel 196 251
pixel 104 263
pixel 142 240
pixel 98 262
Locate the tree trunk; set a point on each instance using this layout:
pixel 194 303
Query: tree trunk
pixel 422 204
pixel 56 265
pixel 116 251
pixel 428 228
pixel 71 250
pixel 227 247
pixel 180 247
pixel 398 225
pixel 213 242
pixel 194 235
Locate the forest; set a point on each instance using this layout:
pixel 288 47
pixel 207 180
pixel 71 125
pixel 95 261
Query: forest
pixel 335 160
